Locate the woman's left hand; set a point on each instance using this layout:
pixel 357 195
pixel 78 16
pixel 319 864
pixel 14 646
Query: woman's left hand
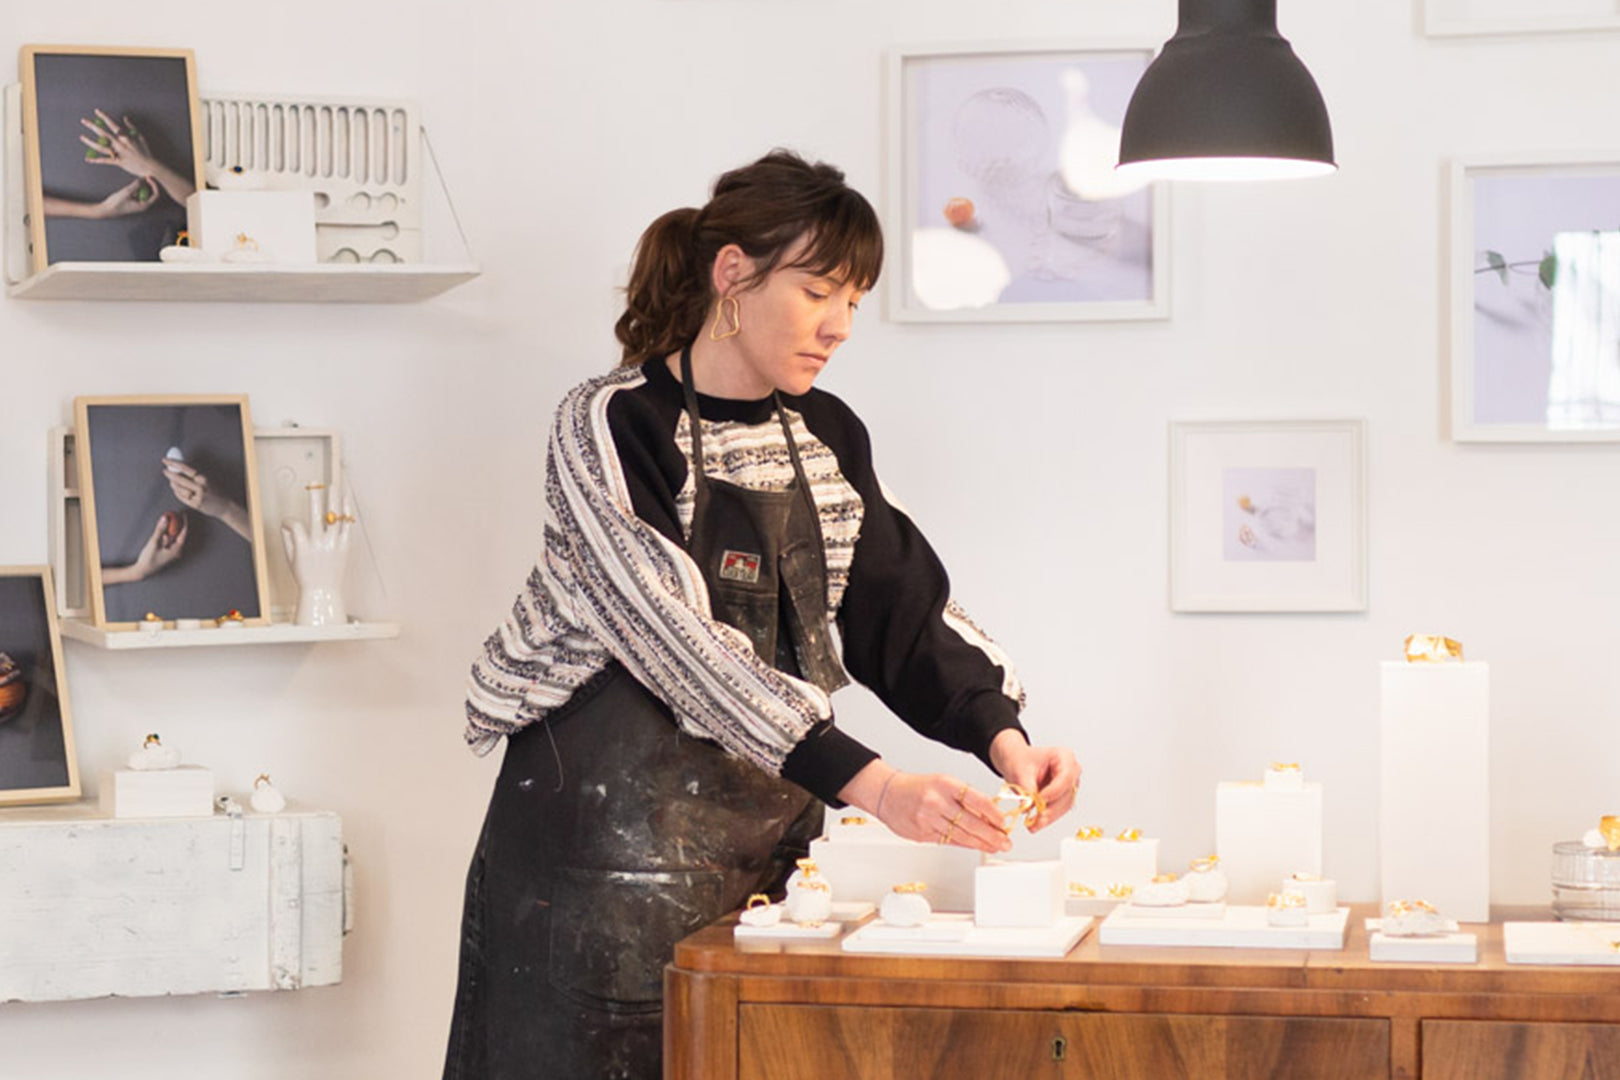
pixel 1050 772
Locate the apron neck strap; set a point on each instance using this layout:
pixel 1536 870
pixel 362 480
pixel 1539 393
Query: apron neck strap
pixel 694 421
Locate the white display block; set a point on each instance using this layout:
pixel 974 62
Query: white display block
pixel 1101 864
pixel 186 791
pixel 955 935
pixel 1263 835
pixel 1321 894
pixel 1451 947
pixel 1570 943
pixel 865 870
pixel 280 223
pixel 1012 893
pixel 1206 910
pixel 1434 796
pixel 1242 927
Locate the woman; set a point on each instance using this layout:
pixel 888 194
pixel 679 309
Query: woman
pixel 709 516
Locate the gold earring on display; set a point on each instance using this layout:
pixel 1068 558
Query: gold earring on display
pixel 720 313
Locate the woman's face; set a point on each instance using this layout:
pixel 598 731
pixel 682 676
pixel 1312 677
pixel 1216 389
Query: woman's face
pixel 792 322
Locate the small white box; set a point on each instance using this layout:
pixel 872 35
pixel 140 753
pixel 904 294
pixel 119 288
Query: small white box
pixel 1263 835
pixel 866 869
pixel 279 224
pixel 1016 894
pixel 187 791
pixel 1434 798
pixel 1450 947
pixel 1101 864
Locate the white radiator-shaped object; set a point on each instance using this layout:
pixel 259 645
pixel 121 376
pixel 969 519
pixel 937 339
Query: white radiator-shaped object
pixel 91 906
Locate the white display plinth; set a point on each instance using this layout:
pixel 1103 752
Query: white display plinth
pixel 955 935
pixel 185 791
pixel 1241 928
pixel 1451 947
pixel 1205 910
pixel 1434 798
pixel 1018 894
pixel 1561 943
pixel 867 869
pixel 1264 834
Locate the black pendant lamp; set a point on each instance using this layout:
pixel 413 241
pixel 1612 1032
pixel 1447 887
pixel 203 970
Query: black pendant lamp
pixel 1226 99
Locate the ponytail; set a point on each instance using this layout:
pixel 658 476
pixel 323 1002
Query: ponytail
pixel 667 295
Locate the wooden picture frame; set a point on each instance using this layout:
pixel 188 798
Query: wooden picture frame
pixel 1268 515
pixel 142 459
pixel 112 146
pixel 1003 201
pixel 37 760
pixel 1466 18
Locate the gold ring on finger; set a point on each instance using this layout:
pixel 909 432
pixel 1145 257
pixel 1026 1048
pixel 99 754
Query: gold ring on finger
pixel 959 812
pixel 961 796
pixel 946 838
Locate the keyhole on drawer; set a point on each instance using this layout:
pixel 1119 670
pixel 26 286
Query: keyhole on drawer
pixel 1060 1048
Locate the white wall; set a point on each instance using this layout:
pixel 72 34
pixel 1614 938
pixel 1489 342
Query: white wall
pixel 563 129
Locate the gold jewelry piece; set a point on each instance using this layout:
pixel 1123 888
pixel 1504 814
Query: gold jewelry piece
pixel 1300 875
pixel 1121 892
pixel 314 487
pixel 720 312
pixel 243 240
pixel 152 740
pixel 960 810
pixel 961 796
pixel 813 884
pixel 807 865
pixel 1206 864
pixel 911 887
pixel 1609 826
pixel 758 899
pixel 1090 832
pixel 1278 901
pixel 1432 649
pixel 262 778
pixel 151 616
pixel 1407 907
pixel 1084 891
pixel 1284 766
pixel 1164 879
pixel 945 838
pixel 332 517
pixel 1130 836
pixel 853 819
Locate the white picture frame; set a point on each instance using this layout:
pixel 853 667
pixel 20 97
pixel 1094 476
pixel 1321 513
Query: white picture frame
pixel 1268 515
pixel 1533 262
pixel 1470 18
pixel 1002 202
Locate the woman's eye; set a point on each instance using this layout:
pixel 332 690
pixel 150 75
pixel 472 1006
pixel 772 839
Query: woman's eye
pixel 812 294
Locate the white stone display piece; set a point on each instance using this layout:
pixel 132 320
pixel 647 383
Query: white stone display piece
pixel 1216 910
pixel 1451 947
pixel 1434 796
pixel 1105 862
pixel 866 869
pixel 1266 833
pixel 183 791
pixel 1321 894
pixel 1012 893
pixel 956 935
pixel 1242 927
pixel 1563 943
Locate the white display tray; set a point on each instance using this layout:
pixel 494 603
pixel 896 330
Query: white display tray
pixel 842 915
pixel 1243 927
pixel 955 935
pixel 1561 943
pixel 1202 912
pixel 1448 948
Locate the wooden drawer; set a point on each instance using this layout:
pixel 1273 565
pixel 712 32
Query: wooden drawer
pixel 802 1042
pixel 1482 1050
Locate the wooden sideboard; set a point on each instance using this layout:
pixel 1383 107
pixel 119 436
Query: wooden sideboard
pixel 811 1012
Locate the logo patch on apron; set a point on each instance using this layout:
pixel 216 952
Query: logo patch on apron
pixel 739 566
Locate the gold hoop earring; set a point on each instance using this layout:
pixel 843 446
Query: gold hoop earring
pixel 720 312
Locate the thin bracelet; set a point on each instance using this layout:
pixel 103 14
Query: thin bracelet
pixel 884 790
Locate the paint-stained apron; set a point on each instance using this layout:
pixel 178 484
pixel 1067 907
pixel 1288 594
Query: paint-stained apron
pixel 611 835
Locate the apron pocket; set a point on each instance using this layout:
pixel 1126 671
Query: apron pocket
pixel 612 931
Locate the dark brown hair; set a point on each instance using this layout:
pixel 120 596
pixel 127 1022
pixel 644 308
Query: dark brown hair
pixel 763 208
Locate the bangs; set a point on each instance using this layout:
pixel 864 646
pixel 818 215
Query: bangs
pixel 846 244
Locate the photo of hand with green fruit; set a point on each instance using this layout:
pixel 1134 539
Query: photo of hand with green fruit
pixel 119 143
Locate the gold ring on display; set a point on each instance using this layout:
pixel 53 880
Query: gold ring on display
pixel 758 899
pixel 807 865
pixel 1609 827
pixel 911 887
pixel 1077 889
pixel 1130 836
pixel 1090 832
pixel 853 819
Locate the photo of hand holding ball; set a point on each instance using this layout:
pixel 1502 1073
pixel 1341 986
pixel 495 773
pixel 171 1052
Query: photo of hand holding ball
pixel 168 540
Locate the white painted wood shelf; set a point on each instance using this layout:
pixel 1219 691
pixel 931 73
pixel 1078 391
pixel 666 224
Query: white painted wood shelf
pixel 273 634
pixel 243 282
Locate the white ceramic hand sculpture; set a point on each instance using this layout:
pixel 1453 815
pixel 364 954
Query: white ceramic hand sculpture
pixel 318 552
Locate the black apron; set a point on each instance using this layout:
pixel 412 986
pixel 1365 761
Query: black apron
pixel 611 835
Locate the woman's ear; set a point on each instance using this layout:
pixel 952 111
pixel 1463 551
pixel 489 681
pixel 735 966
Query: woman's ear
pixel 732 267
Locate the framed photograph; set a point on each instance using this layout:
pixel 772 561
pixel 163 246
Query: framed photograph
pixel 1268 515
pixel 37 762
pixel 1534 275
pixel 1451 18
pixel 112 148
pixel 169 501
pixel 1003 201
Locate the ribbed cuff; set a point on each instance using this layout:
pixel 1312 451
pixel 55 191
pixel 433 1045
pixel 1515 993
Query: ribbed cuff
pixel 986 715
pixel 825 761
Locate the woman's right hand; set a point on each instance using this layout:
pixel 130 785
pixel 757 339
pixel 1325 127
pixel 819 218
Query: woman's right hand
pixel 931 808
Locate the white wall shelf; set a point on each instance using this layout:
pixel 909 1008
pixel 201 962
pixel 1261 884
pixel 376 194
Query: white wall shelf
pixel 325 282
pixel 274 634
